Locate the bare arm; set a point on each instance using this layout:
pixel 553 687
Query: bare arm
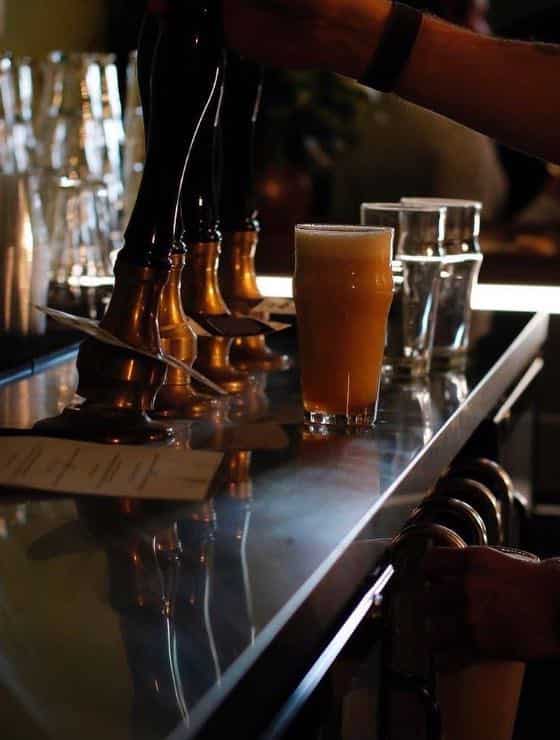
pixel 505 89
pixel 483 602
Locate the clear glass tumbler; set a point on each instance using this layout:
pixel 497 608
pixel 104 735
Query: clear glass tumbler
pixel 104 87
pixel 451 340
pixel 417 280
pixel 459 276
pixel 419 229
pixel 343 291
pixel 79 241
pixel 72 141
pixel 24 256
pixel 17 97
pixel 412 319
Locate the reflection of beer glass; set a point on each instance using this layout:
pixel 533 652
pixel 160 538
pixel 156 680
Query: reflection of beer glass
pixel 343 291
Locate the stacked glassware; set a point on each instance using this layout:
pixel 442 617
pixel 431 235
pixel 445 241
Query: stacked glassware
pixel 62 131
pixel 80 175
pixel 23 234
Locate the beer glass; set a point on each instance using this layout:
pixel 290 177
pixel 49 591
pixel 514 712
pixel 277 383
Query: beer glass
pixel 79 238
pixel 72 141
pixel 412 320
pixel 419 228
pixel 343 291
pixel 17 93
pixel 459 276
pixel 417 279
pixel 24 256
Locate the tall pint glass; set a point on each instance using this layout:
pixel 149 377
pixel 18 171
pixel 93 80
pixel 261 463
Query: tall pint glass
pixel 343 290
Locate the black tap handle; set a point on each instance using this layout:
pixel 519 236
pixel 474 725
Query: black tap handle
pixel 242 98
pixel 199 199
pixel 147 41
pixel 184 61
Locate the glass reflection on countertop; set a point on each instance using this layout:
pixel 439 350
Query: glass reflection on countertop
pixel 450 392
pixel 179 580
pixel 408 407
pixel 130 601
pixel 347 451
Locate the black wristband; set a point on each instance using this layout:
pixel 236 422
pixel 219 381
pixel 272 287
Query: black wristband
pixel 394 49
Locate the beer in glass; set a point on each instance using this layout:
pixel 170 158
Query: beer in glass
pixel 343 290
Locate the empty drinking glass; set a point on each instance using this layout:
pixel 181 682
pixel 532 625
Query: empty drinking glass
pixel 111 101
pixel 459 276
pixel 17 96
pixel 79 246
pixel 80 186
pixel 72 142
pixel 27 86
pixel 104 87
pixel 24 256
pixel 52 70
pixel 419 229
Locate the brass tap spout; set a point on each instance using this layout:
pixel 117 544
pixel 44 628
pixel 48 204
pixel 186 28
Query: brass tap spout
pixel 177 398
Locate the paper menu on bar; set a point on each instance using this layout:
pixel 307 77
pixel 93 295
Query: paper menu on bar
pixel 73 467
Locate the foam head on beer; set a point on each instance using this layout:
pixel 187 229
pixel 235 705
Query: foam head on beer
pixel 343 290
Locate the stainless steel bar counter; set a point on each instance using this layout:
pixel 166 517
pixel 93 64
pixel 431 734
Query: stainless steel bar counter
pixel 123 619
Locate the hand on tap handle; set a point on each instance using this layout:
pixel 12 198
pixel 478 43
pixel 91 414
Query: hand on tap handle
pixel 485 603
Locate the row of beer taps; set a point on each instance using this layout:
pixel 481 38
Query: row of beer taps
pixel 189 247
